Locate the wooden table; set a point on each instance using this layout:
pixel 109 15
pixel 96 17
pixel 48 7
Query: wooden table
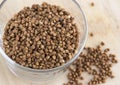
pixel 104 22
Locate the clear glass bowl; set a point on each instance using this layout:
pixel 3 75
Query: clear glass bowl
pixel 9 7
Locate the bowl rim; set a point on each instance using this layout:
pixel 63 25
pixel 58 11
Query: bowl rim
pixel 84 38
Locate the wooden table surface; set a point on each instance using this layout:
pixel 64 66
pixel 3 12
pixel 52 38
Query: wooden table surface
pixel 104 21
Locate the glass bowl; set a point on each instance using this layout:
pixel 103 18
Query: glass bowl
pixel 9 7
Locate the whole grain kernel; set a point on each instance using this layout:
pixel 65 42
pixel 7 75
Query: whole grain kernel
pixel 92 4
pixel 102 43
pixel 91 34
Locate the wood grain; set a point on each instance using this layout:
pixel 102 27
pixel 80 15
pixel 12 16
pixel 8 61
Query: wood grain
pixel 104 21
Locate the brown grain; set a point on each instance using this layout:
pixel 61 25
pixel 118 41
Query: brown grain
pixel 97 57
pixel 40 34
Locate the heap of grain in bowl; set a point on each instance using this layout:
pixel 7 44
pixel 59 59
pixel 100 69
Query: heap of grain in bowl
pixel 41 37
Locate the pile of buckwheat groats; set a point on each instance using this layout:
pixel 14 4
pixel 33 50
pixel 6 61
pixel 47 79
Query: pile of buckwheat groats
pixel 45 36
pixel 41 37
pixel 96 62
